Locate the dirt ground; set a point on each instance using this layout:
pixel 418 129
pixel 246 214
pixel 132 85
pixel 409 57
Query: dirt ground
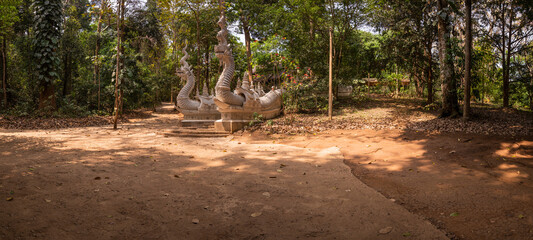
pixel 376 181
pixel 471 186
pixel 471 179
pixel 139 182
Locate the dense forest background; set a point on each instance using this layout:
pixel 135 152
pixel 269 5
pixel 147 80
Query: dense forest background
pixel 61 57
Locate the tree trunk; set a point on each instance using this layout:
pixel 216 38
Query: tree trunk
pixel 429 71
pixel 67 75
pixel 4 71
pixel 504 64
pixel 419 85
pixel 96 74
pixel 506 74
pixel 207 66
pixel 47 97
pixel 117 73
pixel 247 40
pixel 330 99
pixel 450 106
pixel 198 62
pixel 468 58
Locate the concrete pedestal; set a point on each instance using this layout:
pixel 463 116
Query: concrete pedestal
pixel 195 118
pixel 234 118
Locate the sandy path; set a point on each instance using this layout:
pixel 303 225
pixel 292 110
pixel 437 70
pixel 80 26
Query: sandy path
pixel 136 183
pixel 471 186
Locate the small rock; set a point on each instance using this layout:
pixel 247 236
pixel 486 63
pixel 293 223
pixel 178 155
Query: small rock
pixel 256 214
pixel 452 152
pixel 385 230
pixel 48 200
pixel 195 220
pixel 266 194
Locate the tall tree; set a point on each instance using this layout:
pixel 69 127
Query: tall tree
pixel 507 24
pixel 411 28
pixel 101 12
pixel 47 33
pixel 468 57
pixel 8 17
pixel 118 71
pixel 450 105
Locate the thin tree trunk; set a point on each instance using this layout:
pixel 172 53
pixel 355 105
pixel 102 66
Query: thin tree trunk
pixel 450 106
pixel 429 72
pixel 121 86
pixel 96 74
pixel 66 74
pixel 531 88
pixel 97 48
pixel 330 99
pixel 198 62
pixel 506 75
pixel 468 58
pixel 207 66
pixel 247 40
pixel 117 73
pixel 4 71
pixel 504 64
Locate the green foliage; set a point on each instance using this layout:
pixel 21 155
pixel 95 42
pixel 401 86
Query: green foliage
pixel 257 118
pixel 8 16
pixel 290 48
pixel 47 26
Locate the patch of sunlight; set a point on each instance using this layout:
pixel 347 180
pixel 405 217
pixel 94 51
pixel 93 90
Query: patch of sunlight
pixel 506 166
pixel 513 176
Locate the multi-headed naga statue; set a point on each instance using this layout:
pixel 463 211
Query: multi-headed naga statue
pixel 238 107
pixel 194 111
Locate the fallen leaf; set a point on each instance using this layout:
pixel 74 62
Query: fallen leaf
pixel 385 230
pixel 279 170
pixel 407 234
pixel 48 200
pixel 454 214
pixel 256 214
pixel 521 216
pixel 195 220
pixel 9 199
pixel 97 178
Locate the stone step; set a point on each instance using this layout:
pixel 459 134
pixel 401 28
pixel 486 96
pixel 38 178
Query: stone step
pixel 196 132
pixel 193 135
pixel 199 124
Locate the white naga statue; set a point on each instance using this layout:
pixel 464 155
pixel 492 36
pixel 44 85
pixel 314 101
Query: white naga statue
pixel 238 107
pixel 194 111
